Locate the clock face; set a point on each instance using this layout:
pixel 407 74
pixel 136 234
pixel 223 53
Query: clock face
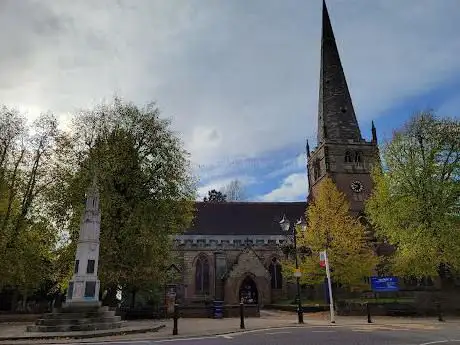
pixel 356 186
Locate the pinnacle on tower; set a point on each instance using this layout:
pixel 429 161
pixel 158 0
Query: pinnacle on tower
pixel 374 133
pixel 336 115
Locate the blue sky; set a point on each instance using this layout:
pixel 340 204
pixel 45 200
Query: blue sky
pixel 239 79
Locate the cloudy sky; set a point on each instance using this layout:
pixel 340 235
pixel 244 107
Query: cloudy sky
pixel 239 79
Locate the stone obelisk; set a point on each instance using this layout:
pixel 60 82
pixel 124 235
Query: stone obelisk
pixel 84 287
pixel 82 310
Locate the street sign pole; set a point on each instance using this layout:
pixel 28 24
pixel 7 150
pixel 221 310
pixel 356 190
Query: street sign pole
pixel 328 274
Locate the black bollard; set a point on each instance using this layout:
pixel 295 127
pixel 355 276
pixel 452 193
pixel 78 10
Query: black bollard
pixel 175 317
pixel 242 315
pixel 300 314
pixel 439 311
pixel 368 308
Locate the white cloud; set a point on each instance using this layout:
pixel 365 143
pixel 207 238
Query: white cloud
pixel 221 183
pixel 294 187
pixel 238 79
pixel 290 166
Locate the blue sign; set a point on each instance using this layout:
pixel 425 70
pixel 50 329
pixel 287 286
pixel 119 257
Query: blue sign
pixel 384 284
pixel 218 309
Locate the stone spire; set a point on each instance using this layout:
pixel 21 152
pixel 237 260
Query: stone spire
pixel 84 286
pixel 336 116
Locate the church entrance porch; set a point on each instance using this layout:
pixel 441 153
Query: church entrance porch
pixel 248 291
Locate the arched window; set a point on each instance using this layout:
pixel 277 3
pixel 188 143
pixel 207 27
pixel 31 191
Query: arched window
pixel 358 157
pixel 348 157
pixel 202 275
pixel 275 270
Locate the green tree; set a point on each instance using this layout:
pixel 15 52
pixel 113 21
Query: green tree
pixel 331 227
pixel 215 196
pixel 415 202
pixel 27 237
pixel 146 191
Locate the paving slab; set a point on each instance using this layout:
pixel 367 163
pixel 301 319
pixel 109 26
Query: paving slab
pixel 17 332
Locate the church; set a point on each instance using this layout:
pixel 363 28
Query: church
pixel 232 250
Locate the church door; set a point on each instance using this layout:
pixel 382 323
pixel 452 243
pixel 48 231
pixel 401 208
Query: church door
pixel 248 291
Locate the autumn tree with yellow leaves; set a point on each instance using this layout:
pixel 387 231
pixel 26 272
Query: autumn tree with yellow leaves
pixel 331 227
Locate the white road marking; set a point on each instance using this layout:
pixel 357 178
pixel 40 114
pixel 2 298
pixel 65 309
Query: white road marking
pixel 441 342
pixel 180 339
pixel 229 335
pixel 106 342
pixel 278 333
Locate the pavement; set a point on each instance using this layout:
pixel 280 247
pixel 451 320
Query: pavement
pixel 274 328
pixel 16 331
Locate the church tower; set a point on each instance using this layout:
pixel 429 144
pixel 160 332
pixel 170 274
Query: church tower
pixel 341 153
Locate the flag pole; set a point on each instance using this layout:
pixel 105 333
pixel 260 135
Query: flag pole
pixel 328 274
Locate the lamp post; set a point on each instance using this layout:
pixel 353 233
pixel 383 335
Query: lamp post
pixel 286 226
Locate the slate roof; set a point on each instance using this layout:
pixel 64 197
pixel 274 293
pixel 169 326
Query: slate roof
pixel 243 218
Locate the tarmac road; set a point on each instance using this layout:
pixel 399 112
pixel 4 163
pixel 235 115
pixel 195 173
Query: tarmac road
pixel 327 335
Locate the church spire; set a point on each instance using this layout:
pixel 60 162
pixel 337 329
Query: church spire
pixel 336 116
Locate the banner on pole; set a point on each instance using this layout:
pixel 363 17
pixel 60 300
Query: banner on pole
pixel 322 258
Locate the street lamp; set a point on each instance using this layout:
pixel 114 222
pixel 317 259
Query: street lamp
pixel 286 226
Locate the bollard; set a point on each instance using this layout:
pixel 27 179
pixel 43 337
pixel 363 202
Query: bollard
pixel 439 311
pixel 300 314
pixel 175 317
pixel 242 315
pixel 368 308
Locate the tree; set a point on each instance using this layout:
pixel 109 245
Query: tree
pixel 332 228
pixel 27 236
pixel 215 196
pixel 146 191
pixel 415 202
pixel 234 191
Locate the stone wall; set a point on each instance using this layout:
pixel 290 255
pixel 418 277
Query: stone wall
pixel 331 157
pixel 255 264
pixel 249 264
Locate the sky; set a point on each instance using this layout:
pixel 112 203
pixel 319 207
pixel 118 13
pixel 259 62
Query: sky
pixel 239 79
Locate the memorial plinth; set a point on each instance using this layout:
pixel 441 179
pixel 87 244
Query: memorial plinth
pixel 82 310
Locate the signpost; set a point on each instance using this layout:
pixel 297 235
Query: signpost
pixel 384 284
pixel 322 259
pixel 324 262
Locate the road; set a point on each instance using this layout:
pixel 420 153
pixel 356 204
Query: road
pixel 327 335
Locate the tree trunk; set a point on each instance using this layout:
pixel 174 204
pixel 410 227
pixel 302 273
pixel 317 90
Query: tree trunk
pixel 14 300
pixel 24 301
pixel 133 298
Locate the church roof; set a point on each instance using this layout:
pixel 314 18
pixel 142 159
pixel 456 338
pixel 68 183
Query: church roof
pixel 243 218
